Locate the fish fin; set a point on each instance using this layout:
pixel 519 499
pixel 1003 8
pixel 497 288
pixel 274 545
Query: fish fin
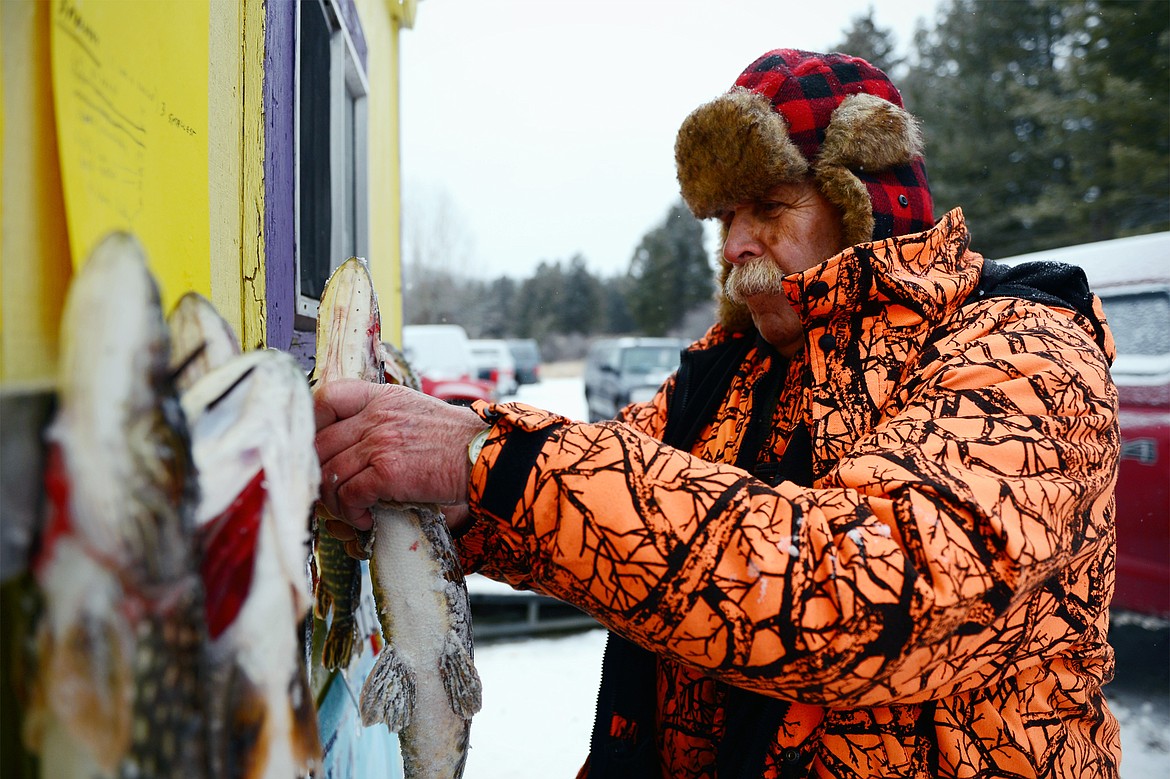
pixel 246 736
pixel 322 600
pixel 460 679
pixel 229 555
pixel 339 644
pixel 305 738
pixel 388 692
pixel 88 685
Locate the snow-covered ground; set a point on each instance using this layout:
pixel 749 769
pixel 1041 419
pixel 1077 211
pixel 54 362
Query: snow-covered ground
pixel 540 694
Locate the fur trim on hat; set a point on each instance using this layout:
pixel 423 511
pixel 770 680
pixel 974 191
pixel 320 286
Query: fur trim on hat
pixel 866 134
pixel 734 149
pixel 737 148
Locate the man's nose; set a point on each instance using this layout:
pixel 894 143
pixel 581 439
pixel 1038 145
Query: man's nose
pixel 741 244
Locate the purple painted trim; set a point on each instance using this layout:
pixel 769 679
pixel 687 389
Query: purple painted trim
pixel 280 36
pixel 353 23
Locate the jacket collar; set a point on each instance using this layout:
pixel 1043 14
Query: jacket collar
pixel 926 276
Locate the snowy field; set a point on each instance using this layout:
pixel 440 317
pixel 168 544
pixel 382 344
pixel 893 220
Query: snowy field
pixel 540 694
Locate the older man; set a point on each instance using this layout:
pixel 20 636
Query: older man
pixel 865 530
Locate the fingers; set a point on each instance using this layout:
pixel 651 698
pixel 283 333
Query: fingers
pixel 383 442
pixel 341 399
pixel 457 515
pixel 356 495
pixel 342 531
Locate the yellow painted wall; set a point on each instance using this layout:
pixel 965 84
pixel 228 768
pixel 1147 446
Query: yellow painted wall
pixel 35 260
pixel 225 77
pixel 34 252
pixel 382 22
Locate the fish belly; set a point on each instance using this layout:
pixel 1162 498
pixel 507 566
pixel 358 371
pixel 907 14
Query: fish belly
pixel 414 607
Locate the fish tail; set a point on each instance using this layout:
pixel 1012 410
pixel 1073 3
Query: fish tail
pixel 389 691
pixel 460 679
pixel 87 683
pixel 339 644
pixel 244 738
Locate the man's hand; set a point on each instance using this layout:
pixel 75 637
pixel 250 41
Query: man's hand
pixel 387 442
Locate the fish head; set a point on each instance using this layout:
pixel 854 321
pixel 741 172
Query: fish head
pixel 116 397
pixel 201 339
pixel 349 327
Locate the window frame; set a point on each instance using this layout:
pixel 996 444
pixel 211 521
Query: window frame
pixel 348 177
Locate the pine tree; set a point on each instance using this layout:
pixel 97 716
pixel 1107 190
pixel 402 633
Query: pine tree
pixel 670 272
pixel 874 44
pixel 580 310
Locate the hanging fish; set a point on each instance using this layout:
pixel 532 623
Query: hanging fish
pixel 252 432
pixel 337 588
pixel 423 685
pixel 201 339
pixel 342 354
pixel 122 673
pixel 252 436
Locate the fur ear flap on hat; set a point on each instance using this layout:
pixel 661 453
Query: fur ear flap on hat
pixel 734 149
pixel 865 134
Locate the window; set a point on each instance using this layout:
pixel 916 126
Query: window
pixel 332 194
pixel 1138 320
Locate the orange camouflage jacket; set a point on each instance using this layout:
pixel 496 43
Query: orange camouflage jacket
pixel 919 589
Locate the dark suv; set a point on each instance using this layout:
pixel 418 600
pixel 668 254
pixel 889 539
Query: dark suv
pixel 619 371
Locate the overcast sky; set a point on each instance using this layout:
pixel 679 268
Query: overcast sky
pixel 547 126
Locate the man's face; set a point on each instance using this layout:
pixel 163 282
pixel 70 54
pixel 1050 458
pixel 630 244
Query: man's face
pixel 790 230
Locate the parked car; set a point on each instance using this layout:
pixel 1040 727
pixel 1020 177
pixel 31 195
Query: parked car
pixel 494 364
pixel 441 356
pixel 1132 278
pixel 526 353
pixel 620 371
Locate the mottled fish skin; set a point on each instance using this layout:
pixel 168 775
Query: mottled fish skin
pixel 423 685
pixel 201 339
pixel 122 673
pixel 252 430
pixel 338 588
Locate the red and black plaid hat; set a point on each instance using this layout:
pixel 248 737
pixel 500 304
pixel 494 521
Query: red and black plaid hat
pixel 794 113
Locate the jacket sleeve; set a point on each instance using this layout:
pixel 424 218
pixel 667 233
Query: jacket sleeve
pixel 968 523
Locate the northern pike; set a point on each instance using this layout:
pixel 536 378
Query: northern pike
pixel 342 354
pixel 336 588
pixel 251 422
pixel 423 685
pixel 201 339
pixel 122 673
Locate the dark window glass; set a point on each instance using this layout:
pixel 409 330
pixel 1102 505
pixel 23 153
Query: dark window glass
pixel 316 198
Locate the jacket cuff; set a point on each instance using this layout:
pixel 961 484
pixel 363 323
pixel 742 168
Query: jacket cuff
pixel 501 474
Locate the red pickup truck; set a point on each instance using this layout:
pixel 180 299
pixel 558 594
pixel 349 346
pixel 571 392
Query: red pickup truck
pixel 441 356
pixel 1132 278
